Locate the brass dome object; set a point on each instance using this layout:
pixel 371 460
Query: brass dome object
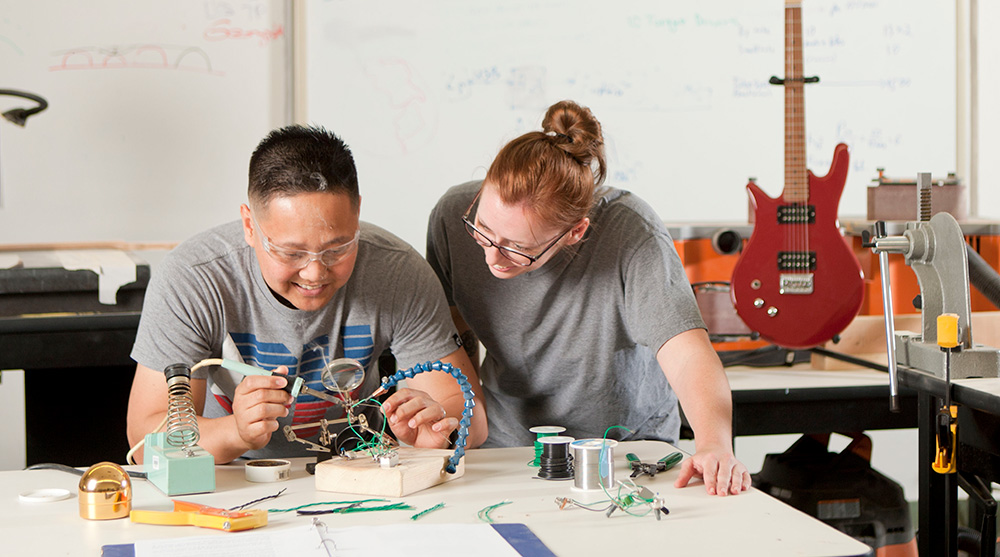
pixel 105 492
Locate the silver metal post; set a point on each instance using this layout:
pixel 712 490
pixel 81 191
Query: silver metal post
pixel 890 331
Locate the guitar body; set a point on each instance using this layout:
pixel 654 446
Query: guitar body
pixel 798 284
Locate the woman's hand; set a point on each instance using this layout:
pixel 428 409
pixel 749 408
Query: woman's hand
pixel 418 420
pixel 719 469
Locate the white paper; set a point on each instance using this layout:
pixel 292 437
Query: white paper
pixel 419 540
pixel 114 269
pixel 411 540
pixel 9 260
pixel 303 541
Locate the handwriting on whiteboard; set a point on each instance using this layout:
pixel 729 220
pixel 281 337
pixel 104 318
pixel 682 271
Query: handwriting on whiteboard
pixel 12 45
pixel 224 30
pixel 139 56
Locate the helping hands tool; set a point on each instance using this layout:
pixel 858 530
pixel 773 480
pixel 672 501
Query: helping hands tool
pixel 651 469
pixel 192 514
pixel 341 377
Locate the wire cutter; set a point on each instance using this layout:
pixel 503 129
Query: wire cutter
pixel 193 514
pixel 662 465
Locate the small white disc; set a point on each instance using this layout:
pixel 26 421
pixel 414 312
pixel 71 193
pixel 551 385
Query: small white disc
pixel 44 495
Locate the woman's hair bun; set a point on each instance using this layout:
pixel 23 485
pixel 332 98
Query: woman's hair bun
pixel 575 130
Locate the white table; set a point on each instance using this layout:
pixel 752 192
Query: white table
pixel 698 524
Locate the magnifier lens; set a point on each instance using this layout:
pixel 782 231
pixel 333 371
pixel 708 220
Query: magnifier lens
pixel 343 375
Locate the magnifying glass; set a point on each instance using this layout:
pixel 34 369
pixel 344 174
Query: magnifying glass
pixel 343 375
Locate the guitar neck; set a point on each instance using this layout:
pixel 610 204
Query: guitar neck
pixel 796 176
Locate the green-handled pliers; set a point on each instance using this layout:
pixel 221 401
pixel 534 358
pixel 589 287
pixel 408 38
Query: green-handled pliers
pixel 662 465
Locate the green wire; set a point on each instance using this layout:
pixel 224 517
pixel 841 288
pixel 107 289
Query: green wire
pixel 600 460
pixel 392 507
pixel 427 511
pixel 358 433
pixel 484 513
pixel 618 501
pixel 367 446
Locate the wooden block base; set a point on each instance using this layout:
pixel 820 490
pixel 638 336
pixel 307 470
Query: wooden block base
pixel 418 469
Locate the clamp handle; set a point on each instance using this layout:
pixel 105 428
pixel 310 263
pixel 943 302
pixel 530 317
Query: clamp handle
pixel 890 329
pixel 947 330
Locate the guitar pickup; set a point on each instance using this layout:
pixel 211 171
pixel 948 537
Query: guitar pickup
pixel 796 214
pixel 795 283
pixel 796 261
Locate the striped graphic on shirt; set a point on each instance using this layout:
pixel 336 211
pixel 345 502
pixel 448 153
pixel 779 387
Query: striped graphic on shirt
pixel 358 343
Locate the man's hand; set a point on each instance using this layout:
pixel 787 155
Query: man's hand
pixel 722 473
pixel 418 420
pixel 257 405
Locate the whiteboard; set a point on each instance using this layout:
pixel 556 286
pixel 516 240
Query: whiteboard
pixel 427 92
pixel 988 187
pixel 155 108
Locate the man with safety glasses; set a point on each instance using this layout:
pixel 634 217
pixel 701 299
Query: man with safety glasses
pixel 298 281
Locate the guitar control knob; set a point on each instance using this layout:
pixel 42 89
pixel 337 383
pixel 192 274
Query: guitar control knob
pixel 758 303
pixel 772 311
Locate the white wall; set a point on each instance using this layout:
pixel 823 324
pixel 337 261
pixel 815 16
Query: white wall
pixel 12 431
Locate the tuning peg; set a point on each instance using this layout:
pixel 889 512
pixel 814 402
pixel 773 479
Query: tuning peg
pixel 866 239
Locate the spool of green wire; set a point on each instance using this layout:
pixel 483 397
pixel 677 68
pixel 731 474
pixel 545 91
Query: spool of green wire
pixel 541 431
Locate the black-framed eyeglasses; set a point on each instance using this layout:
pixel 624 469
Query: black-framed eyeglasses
pixel 516 257
pixel 300 258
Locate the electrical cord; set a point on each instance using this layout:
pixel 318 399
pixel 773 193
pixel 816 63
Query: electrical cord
pixel 76 471
pixel 20 115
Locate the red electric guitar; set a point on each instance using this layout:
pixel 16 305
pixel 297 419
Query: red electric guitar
pixel 797 282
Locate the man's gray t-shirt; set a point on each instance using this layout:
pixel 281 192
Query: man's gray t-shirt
pixel 572 343
pixel 208 299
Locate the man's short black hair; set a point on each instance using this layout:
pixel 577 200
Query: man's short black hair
pixel 299 159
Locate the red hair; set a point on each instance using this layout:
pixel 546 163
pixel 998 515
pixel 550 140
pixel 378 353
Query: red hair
pixel 554 171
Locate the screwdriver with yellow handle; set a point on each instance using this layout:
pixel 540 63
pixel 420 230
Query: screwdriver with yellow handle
pixel 947 416
pixel 192 514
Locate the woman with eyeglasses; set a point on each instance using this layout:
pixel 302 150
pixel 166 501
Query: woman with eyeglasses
pixel 298 281
pixel 577 294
